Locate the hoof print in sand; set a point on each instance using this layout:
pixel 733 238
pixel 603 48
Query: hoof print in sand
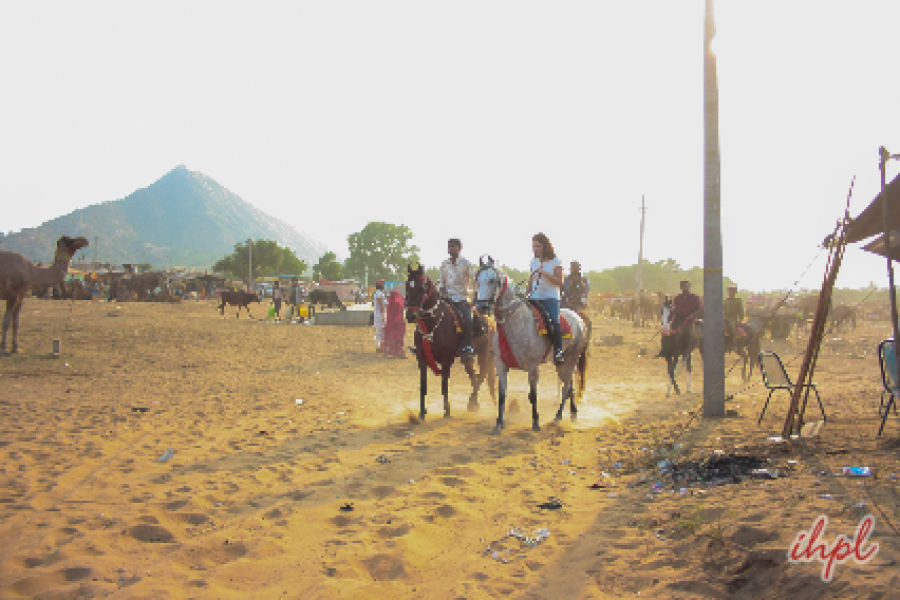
pixel 382 491
pixel 445 511
pixel 194 518
pixel 384 567
pixel 389 532
pixel 342 521
pixel 151 534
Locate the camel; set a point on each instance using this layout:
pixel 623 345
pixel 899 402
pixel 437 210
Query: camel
pixel 18 276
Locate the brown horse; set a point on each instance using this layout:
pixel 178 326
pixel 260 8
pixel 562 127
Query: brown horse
pixel 437 339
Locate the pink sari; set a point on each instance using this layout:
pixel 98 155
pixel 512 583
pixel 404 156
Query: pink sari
pixel 395 328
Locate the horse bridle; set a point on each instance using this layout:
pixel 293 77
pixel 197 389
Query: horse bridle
pixel 422 312
pixel 429 290
pixel 494 296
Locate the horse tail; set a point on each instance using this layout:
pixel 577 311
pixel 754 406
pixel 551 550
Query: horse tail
pixel 583 360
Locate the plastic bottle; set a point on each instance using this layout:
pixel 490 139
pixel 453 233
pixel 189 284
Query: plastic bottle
pixel 857 471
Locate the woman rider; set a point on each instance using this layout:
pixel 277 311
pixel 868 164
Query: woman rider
pixel 543 286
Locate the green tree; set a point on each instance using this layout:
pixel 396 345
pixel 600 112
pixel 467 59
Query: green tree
pixel 380 251
pixel 328 268
pixel 268 259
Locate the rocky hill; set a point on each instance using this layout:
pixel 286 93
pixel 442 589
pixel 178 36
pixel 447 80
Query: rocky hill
pixel 184 219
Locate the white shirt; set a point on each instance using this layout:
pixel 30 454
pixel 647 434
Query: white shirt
pixel 456 278
pixel 541 289
pixel 666 317
pixel 379 314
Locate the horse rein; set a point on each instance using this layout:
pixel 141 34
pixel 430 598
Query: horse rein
pixel 512 307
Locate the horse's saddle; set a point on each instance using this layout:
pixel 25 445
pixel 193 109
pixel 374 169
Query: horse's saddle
pixel 543 322
pixel 479 324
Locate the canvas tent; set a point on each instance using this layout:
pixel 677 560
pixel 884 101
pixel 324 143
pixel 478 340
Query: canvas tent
pixel 870 222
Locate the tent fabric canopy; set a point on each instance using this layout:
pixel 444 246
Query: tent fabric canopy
pixel 871 221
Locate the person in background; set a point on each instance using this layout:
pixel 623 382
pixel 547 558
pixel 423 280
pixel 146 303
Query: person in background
pixel 380 316
pixel 543 287
pixel 687 306
pixel 734 313
pixel 395 327
pixel 276 299
pixel 576 288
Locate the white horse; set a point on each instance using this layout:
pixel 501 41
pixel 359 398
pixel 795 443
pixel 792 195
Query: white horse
pixel 517 343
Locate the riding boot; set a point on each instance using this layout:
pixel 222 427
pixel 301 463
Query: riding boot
pixel 467 351
pixel 558 356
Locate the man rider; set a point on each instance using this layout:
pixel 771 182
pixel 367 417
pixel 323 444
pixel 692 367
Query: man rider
pixel 734 314
pixel 576 288
pixel 687 306
pixel 456 275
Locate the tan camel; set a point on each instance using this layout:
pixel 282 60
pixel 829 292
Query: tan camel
pixel 18 276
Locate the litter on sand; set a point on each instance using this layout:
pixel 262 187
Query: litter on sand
pixel 169 453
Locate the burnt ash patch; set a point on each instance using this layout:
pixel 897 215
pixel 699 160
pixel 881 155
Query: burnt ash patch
pixel 720 469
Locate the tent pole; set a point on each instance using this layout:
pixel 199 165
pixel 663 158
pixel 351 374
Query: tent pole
pixel 888 251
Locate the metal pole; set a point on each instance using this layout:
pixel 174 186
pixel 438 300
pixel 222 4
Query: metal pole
pixel 888 251
pixel 640 269
pixel 671 278
pixel 250 250
pixel 713 317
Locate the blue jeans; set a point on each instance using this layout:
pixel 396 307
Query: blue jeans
pixel 551 305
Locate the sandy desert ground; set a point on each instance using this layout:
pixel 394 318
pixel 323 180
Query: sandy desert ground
pixel 249 504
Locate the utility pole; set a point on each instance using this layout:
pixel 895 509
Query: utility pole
pixel 640 269
pixel 671 278
pixel 96 241
pixel 713 317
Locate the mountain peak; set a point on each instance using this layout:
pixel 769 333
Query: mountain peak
pixel 184 218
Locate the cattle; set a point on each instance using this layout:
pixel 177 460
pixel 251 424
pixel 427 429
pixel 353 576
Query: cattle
pixel 239 299
pixel 842 318
pixel 328 298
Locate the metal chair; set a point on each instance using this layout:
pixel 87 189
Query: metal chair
pixel 886 354
pixel 776 378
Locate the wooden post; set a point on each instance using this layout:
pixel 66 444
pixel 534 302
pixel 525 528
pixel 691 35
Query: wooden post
pixel 56 348
pixel 888 251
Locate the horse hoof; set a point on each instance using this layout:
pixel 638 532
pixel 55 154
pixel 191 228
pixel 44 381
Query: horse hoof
pixel 422 415
pixel 557 418
pixel 472 407
pixel 497 430
pixel 573 417
pixel 535 427
pixel 446 415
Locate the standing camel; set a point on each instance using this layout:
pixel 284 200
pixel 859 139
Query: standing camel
pixel 18 276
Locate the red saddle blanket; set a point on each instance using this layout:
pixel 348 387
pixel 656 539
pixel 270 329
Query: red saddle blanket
pixel 542 327
pixel 506 354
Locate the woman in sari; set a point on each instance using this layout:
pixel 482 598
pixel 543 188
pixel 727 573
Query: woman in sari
pixel 395 328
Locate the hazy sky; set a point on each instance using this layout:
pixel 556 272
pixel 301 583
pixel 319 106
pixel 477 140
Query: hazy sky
pixel 488 120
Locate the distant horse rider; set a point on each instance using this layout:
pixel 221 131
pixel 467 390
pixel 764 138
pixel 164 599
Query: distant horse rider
pixel 576 288
pixel 456 275
pixel 687 307
pixel 734 315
